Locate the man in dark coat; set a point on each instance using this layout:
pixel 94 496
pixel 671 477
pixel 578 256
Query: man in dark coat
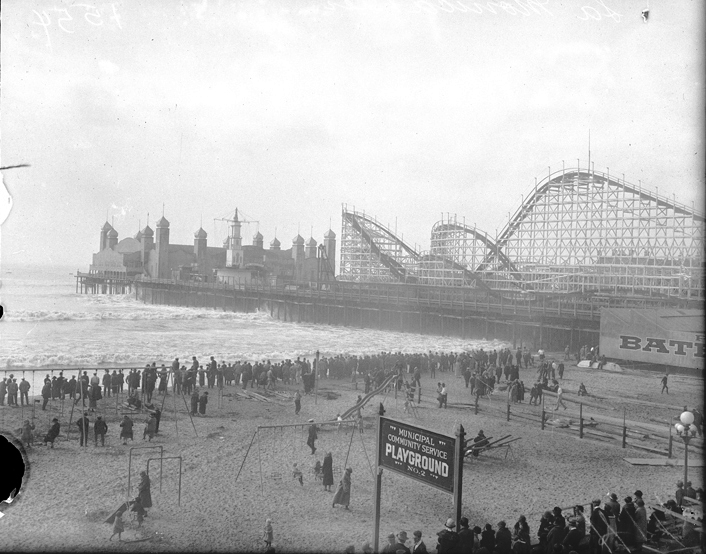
pixel 53 432
pixel 419 547
pixel 46 394
pixel 126 431
pixel 313 435
pixel 503 539
pixel 202 403
pixel 84 424
pixel 626 522
pixel 144 490
pixel 107 382
pixel 100 428
pixel 598 527
pixel 465 536
pixel 195 402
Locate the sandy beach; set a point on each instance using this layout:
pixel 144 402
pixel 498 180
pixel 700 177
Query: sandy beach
pixel 72 490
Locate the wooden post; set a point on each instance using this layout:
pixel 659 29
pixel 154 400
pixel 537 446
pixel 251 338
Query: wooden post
pixel 476 406
pixel 581 420
pixel 669 452
pixel 625 431
pixel 508 409
pixel 316 379
pixel 543 412
pixel 458 478
pixel 378 488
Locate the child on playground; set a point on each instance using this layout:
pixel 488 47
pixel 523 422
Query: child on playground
pixel 118 526
pixel 268 535
pixel 297 474
pixel 318 474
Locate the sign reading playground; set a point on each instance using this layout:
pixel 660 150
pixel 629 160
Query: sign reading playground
pixel 417 453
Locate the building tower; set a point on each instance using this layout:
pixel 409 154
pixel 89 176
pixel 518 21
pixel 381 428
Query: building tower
pixel 200 247
pixel 330 247
pixel 275 244
pixel 112 238
pixel 104 235
pixel 234 256
pixel 310 250
pixel 162 248
pixel 298 249
pixel 147 246
pixel 257 240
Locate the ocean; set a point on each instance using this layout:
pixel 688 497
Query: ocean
pixel 47 325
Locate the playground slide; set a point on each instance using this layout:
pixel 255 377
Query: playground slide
pixel 364 400
pixel 608 366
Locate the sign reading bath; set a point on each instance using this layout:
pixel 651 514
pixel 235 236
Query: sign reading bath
pixel 417 453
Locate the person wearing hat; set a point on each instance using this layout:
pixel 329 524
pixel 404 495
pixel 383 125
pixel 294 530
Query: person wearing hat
pixel 366 548
pixel 150 428
pixel 640 524
pixel 126 429
pixel 580 519
pixel 53 432
pixel 401 546
pixel 418 547
pixel 83 424
pixel 391 545
pixel 614 504
pixel 313 435
pixel 144 490
pixel 503 539
pixel 447 538
pixel 195 402
pixel 100 428
pixel 343 493
pixel 202 403
pixel 598 527
pixel 487 538
pixel 327 472
pixel 573 537
pixel 465 536
pixel 626 522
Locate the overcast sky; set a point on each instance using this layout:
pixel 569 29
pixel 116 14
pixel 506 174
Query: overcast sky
pixel 288 109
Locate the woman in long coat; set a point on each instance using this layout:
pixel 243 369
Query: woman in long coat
pixel 327 470
pixel 343 494
pixel 143 490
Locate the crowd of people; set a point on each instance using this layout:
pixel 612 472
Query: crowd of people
pixel 608 527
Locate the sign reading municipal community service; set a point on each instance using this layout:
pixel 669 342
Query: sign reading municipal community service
pixel 417 453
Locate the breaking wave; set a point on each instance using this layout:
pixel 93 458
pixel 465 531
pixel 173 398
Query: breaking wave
pixel 135 315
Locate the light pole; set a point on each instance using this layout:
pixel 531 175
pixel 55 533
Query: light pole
pixel 686 419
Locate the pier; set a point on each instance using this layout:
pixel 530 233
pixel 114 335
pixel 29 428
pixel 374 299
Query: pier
pixel 95 283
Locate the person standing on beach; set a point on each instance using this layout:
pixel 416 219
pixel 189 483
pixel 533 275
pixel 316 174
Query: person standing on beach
pixel 144 490
pixel 559 399
pixel 126 429
pixel 46 394
pixel 24 390
pixel 312 437
pixel 195 402
pixel 118 527
pixel 664 383
pixel 327 470
pixel 268 535
pixel 12 391
pixel 107 380
pixel 343 493
pixel 150 428
pixel 3 391
pixel 84 424
pixel 100 428
pixel 202 403
pixel 297 402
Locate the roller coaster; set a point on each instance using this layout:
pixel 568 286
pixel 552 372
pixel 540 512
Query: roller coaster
pixel 578 232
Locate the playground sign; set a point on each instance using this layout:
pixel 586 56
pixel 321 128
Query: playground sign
pixel 422 455
pixel 417 453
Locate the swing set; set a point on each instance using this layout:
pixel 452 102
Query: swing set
pixel 276 434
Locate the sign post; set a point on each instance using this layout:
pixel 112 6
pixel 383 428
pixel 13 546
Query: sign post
pixel 420 454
